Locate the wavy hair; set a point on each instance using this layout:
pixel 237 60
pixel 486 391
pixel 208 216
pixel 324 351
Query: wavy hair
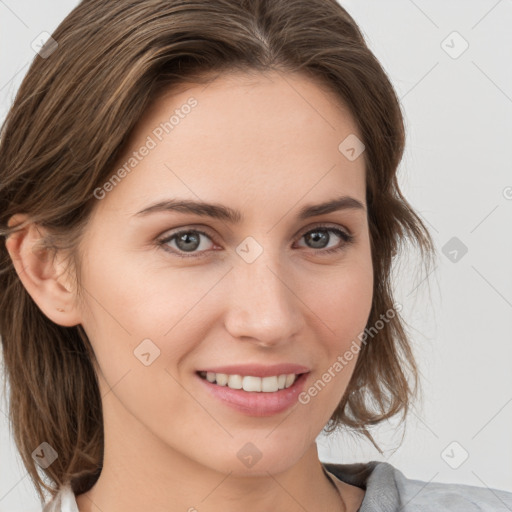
pixel 69 123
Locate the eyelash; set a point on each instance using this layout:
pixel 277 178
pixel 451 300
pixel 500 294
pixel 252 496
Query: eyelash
pixel 347 238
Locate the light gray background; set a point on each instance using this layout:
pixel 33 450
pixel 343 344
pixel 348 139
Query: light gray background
pixel 457 173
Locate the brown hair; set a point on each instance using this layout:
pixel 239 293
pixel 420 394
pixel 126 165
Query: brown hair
pixel 69 123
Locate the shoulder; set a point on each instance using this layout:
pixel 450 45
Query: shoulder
pixel 386 485
pixel 63 501
pixel 447 496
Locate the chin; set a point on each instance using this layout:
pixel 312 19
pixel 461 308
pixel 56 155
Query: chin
pixel 258 458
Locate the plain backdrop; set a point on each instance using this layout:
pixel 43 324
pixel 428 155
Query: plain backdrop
pixel 450 64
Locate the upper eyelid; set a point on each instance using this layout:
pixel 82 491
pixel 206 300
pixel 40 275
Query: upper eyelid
pixel 325 225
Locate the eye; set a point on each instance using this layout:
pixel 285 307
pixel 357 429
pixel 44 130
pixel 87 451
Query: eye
pixel 319 238
pixel 185 241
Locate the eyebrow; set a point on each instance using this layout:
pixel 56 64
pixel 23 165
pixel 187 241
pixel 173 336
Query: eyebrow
pixel 224 213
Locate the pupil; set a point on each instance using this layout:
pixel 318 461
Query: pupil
pixel 187 238
pixel 322 239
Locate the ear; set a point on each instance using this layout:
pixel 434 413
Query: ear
pixel 43 276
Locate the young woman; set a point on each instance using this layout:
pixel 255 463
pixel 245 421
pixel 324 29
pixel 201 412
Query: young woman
pixel 201 210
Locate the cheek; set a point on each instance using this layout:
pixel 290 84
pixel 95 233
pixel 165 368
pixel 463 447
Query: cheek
pixel 343 299
pixel 132 302
pixel 142 294
pixel 344 306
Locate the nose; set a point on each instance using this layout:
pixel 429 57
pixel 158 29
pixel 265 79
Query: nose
pixel 263 303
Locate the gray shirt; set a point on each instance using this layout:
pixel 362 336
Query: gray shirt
pixel 386 490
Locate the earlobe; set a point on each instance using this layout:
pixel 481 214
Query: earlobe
pixel 41 274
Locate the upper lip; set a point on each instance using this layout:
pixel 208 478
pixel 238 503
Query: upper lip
pixel 258 370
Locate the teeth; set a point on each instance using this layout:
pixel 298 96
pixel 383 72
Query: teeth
pixel 269 384
pixel 222 379
pixel 251 383
pixel 235 382
pixel 290 379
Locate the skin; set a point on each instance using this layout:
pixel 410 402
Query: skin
pixel 266 145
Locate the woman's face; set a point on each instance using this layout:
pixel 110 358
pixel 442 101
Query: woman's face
pixel 248 281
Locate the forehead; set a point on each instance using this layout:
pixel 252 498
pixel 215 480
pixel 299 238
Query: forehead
pixel 247 138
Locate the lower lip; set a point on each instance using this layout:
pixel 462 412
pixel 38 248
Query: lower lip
pixel 256 403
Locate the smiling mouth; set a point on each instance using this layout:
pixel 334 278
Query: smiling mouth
pixel 251 383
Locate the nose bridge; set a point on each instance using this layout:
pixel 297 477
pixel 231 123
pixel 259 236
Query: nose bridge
pixel 263 304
